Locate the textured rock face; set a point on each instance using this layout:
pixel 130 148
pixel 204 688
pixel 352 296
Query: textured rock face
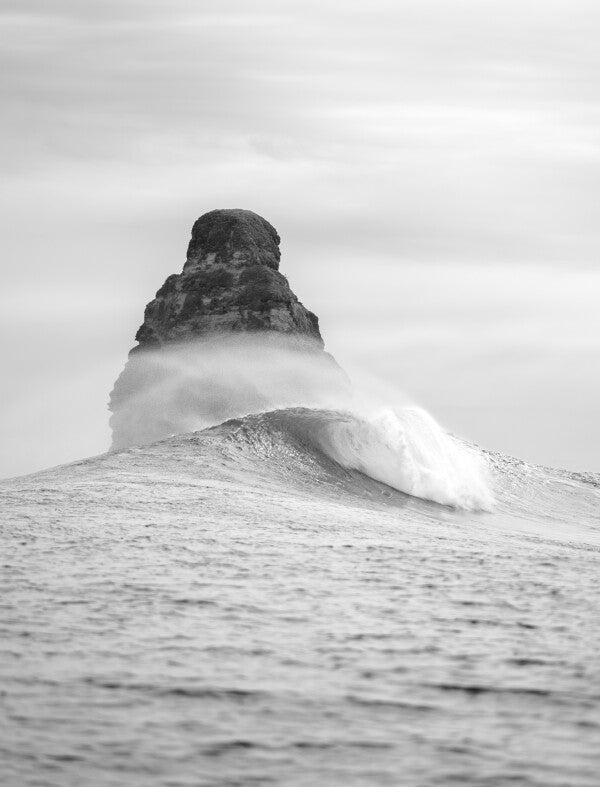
pixel 230 282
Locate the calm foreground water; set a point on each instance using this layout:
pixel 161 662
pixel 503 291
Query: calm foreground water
pixel 234 608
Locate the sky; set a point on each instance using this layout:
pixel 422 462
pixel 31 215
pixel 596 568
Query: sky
pixel 432 166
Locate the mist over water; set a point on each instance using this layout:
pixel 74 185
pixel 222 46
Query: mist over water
pixel 184 387
pixel 361 425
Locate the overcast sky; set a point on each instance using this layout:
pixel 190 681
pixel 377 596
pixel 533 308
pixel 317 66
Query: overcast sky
pixel 433 168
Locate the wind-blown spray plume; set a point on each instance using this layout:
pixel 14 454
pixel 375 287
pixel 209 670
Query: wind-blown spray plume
pixel 185 387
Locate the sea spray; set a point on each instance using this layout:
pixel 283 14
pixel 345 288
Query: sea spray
pixel 181 388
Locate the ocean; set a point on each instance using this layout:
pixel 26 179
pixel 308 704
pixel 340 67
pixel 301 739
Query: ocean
pixel 259 602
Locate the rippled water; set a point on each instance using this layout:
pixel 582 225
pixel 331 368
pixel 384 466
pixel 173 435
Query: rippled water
pixel 231 608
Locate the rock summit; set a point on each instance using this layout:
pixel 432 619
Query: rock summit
pixel 230 282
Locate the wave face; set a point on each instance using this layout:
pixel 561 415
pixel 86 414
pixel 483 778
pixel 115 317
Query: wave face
pixel 392 457
pixel 405 449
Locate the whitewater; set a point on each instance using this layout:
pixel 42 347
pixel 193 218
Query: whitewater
pixel 277 578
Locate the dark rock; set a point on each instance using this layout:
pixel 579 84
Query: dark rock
pixel 230 282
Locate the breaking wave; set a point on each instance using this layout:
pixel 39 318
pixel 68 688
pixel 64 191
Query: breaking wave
pixel 390 459
pixel 403 448
pixel 195 386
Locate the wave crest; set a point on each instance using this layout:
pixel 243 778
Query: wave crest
pixel 403 448
pixel 406 449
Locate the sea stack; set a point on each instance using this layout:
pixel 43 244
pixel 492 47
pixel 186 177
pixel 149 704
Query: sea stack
pixel 230 282
pixel 223 338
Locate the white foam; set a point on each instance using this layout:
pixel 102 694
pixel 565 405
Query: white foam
pixel 408 450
